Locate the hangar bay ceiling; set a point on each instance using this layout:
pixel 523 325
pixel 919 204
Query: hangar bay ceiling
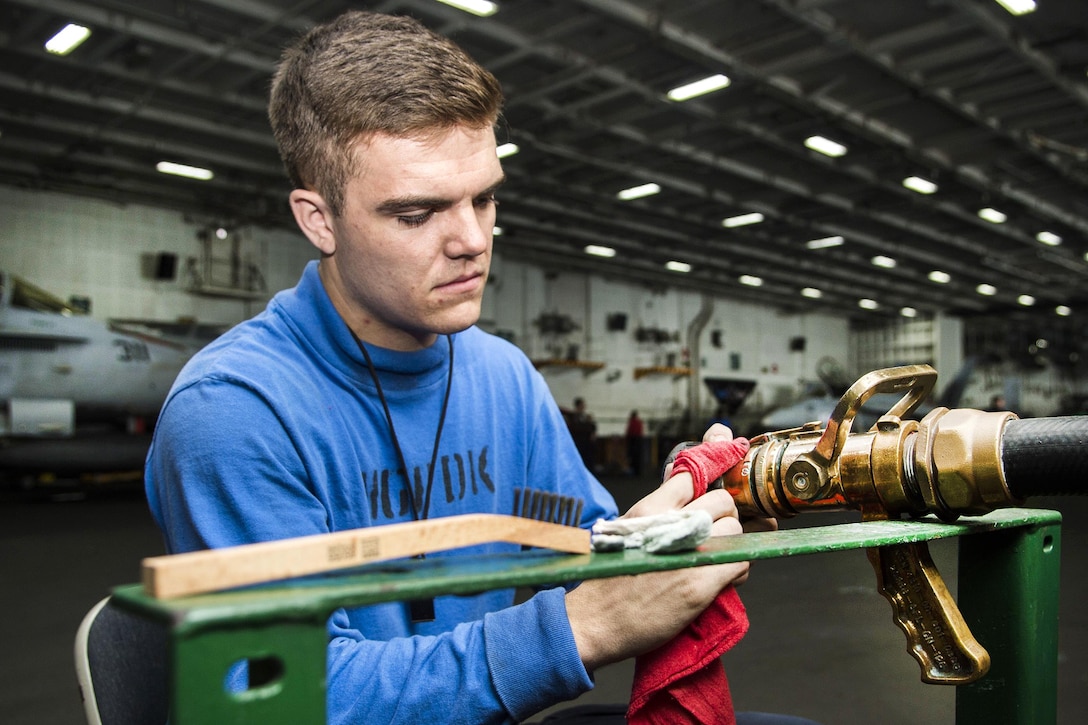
pixel 990 108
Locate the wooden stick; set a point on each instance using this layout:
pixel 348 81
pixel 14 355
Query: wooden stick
pixel 210 570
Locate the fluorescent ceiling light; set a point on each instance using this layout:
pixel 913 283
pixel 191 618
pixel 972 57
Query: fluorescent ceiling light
pixel 674 266
pixel 824 243
pixel 506 149
pixel 867 304
pixel 1049 238
pixel 920 185
pixel 986 289
pixel 940 277
pixel 191 172
pixel 908 312
pixel 1063 310
pixel 751 280
pixel 68 39
pixel 599 251
pixel 825 146
pixel 1018 7
pixel 812 293
pixel 483 8
pixel 637 192
pixel 992 215
pixel 881 261
pixel 699 88
pixel 742 220
pixel 496 231
pixel 1026 300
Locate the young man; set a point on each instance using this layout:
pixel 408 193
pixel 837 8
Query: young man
pixel 366 396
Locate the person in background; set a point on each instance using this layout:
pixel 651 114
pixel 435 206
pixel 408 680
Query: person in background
pixel 584 431
pixel 366 395
pixel 633 435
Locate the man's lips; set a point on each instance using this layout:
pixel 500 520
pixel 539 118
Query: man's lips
pixel 465 283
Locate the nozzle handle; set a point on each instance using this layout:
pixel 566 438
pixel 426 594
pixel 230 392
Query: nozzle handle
pixel 937 636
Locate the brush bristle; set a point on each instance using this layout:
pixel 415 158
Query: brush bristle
pixel 546 506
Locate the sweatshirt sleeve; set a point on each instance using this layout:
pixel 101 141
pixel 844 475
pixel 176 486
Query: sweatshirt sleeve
pixel 534 637
pixel 222 470
pixel 474 674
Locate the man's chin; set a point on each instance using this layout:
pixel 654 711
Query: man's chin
pixel 456 319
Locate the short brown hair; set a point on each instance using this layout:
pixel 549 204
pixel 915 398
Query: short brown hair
pixel 366 73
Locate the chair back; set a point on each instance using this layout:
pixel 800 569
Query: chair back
pixel 121 666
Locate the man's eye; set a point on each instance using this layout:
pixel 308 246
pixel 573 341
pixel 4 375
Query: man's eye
pixel 488 200
pixel 415 220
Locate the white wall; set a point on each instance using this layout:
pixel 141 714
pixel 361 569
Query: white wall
pixel 72 245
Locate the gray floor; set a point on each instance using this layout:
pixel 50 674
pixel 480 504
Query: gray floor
pixel 821 643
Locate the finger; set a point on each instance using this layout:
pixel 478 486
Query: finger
pixel 726 527
pixel 718 503
pixel 718 432
pixel 739 573
pixel 671 495
pixel 717 577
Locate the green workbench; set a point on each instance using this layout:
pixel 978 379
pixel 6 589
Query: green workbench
pixel 1008 594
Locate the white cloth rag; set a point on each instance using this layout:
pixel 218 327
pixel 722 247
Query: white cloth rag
pixel 664 533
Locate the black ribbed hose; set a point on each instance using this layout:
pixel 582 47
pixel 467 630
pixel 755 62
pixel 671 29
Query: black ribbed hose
pixel 1046 456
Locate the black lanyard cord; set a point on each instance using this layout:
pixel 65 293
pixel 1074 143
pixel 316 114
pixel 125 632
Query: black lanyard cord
pixel 393 431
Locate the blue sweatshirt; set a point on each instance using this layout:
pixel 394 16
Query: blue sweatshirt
pixel 276 430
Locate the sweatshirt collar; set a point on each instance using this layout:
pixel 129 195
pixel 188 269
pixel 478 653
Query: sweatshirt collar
pixel 329 334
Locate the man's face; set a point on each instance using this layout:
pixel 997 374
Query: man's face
pixel 413 244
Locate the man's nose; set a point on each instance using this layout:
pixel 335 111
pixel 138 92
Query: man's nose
pixel 470 233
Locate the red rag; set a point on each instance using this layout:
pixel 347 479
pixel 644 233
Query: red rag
pixel 683 681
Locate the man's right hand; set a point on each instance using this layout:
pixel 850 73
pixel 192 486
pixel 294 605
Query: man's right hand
pixel 615 619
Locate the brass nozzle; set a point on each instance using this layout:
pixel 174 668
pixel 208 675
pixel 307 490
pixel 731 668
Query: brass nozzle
pixel 957 460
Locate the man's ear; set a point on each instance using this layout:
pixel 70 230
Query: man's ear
pixel 314 218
